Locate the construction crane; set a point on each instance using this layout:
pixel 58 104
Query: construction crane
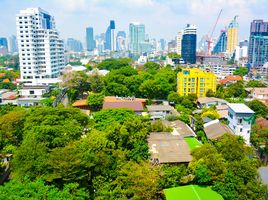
pixel 209 39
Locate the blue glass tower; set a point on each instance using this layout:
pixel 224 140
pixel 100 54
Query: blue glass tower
pixel 91 43
pixel 189 44
pixel 3 42
pixel 221 44
pixel 110 37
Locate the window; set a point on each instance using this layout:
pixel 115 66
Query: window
pixel 241 129
pixel 240 121
pixel 230 115
pixel 31 91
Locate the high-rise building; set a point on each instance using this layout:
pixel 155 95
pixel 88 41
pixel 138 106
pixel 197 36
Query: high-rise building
pixel 162 44
pixel 221 44
pixel 178 42
pixel 12 44
pixel 41 52
pixel 91 43
pixel 258 43
pixel 188 50
pixel 136 37
pixel 3 43
pixel 74 45
pixel 232 36
pixel 121 41
pixel 195 81
pixel 110 37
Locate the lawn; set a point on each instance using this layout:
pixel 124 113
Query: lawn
pixel 192 142
pixel 191 192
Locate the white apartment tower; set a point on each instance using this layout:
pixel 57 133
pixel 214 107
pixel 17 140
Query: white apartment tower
pixel 41 52
pixel 178 42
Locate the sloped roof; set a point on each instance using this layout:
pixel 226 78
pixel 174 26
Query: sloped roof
pixel 180 127
pixel 154 108
pixel 202 100
pixel 259 91
pixel 168 148
pixel 262 122
pixel 133 105
pixel 216 129
pixel 79 103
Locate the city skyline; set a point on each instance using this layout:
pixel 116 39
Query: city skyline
pixel 163 19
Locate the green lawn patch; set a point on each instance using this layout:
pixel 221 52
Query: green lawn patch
pixel 192 142
pixel 192 192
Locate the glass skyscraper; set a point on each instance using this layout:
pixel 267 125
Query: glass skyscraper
pixel 110 37
pixel 136 37
pixel 74 45
pixel 3 42
pixel 221 44
pixel 91 44
pixel 188 50
pixel 258 43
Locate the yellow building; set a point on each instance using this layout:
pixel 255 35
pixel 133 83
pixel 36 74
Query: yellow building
pixel 232 36
pixel 195 81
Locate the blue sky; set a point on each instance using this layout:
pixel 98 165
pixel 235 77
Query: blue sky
pixel 162 18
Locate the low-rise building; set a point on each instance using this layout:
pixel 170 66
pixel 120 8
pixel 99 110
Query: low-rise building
pixel 230 79
pixel 32 95
pixel 160 111
pixel 240 118
pixel 132 103
pixel 215 129
pixel 203 102
pixel 259 93
pixel 167 148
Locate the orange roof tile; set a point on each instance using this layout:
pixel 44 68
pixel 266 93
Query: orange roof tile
pixel 79 103
pixel 6 80
pixel 260 90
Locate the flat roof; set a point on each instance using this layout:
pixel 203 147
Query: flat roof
pixel 168 148
pixel 240 108
pixel 191 192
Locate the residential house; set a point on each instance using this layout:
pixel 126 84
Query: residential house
pixel 168 148
pixel 8 97
pixel 132 103
pixel 210 101
pixel 230 79
pixel 82 105
pixel 32 95
pixel 160 111
pixel 259 93
pixel 240 118
pixel 179 128
pixel 215 129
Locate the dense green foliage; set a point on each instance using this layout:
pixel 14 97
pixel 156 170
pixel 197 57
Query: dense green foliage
pixel 229 167
pixel 241 71
pixel 260 108
pixel 110 64
pixel 39 190
pixel 255 83
pixel 95 101
pixel 10 61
